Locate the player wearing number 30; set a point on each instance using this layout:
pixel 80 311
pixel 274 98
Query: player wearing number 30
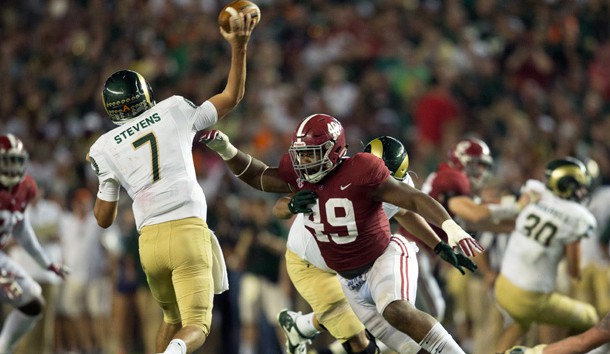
pixel 348 222
pixel 546 230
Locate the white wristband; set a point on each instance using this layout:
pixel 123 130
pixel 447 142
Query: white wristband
pixel 450 225
pixel 228 153
pixel 503 211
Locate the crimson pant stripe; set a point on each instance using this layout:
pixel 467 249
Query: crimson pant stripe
pixel 404 267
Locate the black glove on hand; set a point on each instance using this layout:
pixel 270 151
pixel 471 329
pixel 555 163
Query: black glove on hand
pixel 299 203
pixel 457 260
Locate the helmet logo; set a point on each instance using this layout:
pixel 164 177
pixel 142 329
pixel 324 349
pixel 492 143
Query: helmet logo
pixel 334 129
pixel 126 108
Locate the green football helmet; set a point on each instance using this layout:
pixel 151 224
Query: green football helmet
pixel 567 178
pixel 126 95
pixel 392 152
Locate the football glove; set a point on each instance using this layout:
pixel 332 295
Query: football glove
pixel 9 285
pixel 457 260
pixel 60 269
pixel 301 201
pixel 457 237
pixel 219 142
pixel 539 349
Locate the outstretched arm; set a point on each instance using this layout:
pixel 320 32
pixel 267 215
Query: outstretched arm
pixel 578 344
pixel 25 236
pixel 250 170
pixel 236 83
pixel 412 199
pixel 418 227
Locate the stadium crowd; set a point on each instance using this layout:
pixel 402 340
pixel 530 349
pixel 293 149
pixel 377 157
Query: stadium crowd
pixel 530 78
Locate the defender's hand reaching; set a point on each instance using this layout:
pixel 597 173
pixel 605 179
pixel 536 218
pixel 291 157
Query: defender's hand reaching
pixel 219 142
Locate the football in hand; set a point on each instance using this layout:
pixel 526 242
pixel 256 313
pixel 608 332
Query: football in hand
pixel 231 13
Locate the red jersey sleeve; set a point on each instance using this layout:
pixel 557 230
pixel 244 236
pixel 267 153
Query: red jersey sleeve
pixel 371 170
pixel 286 172
pixel 449 182
pixel 31 188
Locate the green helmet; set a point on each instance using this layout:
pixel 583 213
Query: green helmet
pixel 126 95
pixel 392 152
pixel 567 178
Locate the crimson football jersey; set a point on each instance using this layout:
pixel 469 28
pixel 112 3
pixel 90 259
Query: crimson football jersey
pixel 441 185
pixel 13 202
pixel 445 183
pixel 350 227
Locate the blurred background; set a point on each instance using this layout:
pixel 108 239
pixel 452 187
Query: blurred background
pixel 531 78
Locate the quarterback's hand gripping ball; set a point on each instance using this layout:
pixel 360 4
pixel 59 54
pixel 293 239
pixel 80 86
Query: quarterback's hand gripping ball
pixel 234 16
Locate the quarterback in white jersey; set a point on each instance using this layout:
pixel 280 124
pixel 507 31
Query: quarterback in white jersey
pixel 150 156
pixel 545 231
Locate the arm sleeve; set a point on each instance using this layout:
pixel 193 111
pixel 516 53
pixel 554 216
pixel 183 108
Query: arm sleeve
pixel 286 172
pixel 199 117
pixel 109 185
pixel 25 236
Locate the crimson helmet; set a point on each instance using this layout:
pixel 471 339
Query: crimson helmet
pixel 472 156
pixel 318 144
pixel 13 160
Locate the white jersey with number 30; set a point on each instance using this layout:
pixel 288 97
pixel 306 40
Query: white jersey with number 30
pixel 542 231
pixel 151 157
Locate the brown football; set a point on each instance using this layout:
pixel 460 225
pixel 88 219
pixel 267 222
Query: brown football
pixel 230 13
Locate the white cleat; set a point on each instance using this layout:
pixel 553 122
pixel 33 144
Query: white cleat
pixel 296 342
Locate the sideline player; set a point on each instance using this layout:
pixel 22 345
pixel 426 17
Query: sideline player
pixel 150 155
pixel 349 225
pixel 17 288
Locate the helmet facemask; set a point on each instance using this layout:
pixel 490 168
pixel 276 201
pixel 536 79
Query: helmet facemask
pixel 312 162
pixel 478 172
pixel 13 164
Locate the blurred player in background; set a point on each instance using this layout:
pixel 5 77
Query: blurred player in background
pixel 456 184
pixel 17 288
pixel 150 155
pixel 546 231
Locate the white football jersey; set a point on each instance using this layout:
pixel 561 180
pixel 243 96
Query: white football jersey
pixel 542 231
pixel 302 243
pixel 151 157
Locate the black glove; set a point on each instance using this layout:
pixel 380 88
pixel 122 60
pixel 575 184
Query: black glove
pixel 299 203
pixel 455 259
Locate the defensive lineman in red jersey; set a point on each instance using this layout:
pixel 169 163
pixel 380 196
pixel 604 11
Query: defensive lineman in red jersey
pixel 346 196
pixel 348 222
pixel 17 288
